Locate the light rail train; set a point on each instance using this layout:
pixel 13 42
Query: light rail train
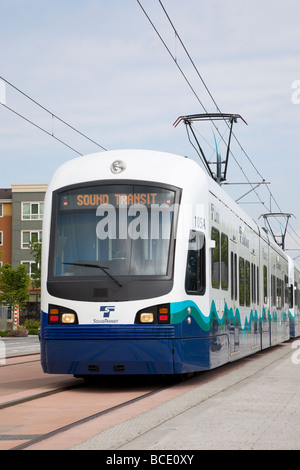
pixel 149 267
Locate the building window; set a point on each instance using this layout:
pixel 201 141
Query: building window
pixel 28 237
pixel 1 238
pixel 1 210
pixel 32 210
pixel 31 266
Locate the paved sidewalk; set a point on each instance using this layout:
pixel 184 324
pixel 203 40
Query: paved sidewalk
pixel 256 406
pixel 17 346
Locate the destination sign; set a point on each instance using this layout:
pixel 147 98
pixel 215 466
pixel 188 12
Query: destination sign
pixel 80 200
pixel 115 199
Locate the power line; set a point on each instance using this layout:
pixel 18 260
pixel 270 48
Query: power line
pixel 53 116
pixel 189 84
pixel 203 82
pixel 40 128
pixel 211 96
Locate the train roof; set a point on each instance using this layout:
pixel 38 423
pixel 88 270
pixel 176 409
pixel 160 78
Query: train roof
pixel 148 165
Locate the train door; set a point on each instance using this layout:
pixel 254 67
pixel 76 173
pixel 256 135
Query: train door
pixel 265 323
pixel 254 300
pixel 297 304
pixel 274 307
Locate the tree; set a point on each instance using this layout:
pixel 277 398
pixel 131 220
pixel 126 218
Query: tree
pixel 36 251
pixel 14 285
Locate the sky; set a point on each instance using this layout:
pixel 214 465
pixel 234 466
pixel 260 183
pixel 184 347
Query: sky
pixel 100 67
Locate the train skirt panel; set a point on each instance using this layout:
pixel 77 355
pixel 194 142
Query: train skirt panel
pixel 191 342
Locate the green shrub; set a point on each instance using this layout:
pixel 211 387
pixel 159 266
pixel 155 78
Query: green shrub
pixel 17 333
pixel 31 325
pixel 33 331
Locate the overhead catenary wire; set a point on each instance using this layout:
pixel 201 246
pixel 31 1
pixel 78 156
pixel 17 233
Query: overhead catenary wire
pixel 177 36
pixel 207 89
pixel 53 115
pixel 40 128
pixel 190 86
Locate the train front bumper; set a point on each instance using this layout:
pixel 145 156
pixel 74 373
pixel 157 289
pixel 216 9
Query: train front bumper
pixel 109 349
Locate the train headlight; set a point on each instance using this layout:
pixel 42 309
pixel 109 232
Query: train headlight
pixel 68 318
pixel 61 315
pixel 146 317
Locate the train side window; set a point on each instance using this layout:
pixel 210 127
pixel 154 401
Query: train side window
pixel 253 283
pixel 233 267
pixel 279 297
pixel 247 283
pixel 273 290
pixel 224 261
pixel 195 268
pixel 231 275
pixel 265 284
pixel 287 293
pixel 291 296
pixel 257 280
pixel 235 277
pixel 242 280
pixel 215 259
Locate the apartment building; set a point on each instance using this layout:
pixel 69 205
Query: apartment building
pixel 5 226
pixel 27 220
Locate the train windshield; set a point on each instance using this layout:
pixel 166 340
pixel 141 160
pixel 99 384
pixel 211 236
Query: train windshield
pixel 113 230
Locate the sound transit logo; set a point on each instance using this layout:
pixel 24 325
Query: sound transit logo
pixel 106 310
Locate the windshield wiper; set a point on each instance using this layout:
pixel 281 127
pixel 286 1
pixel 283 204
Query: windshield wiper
pixel 103 268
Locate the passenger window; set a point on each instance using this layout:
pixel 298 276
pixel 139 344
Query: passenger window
pixel 253 274
pixel 224 261
pixel 287 298
pixel 215 259
pixel 247 265
pixel 291 296
pixel 257 280
pixel 273 290
pixel 265 284
pixel 232 275
pixel 279 292
pixel 242 280
pixel 195 269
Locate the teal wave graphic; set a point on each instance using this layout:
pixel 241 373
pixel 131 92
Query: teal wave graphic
pixel 181 310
